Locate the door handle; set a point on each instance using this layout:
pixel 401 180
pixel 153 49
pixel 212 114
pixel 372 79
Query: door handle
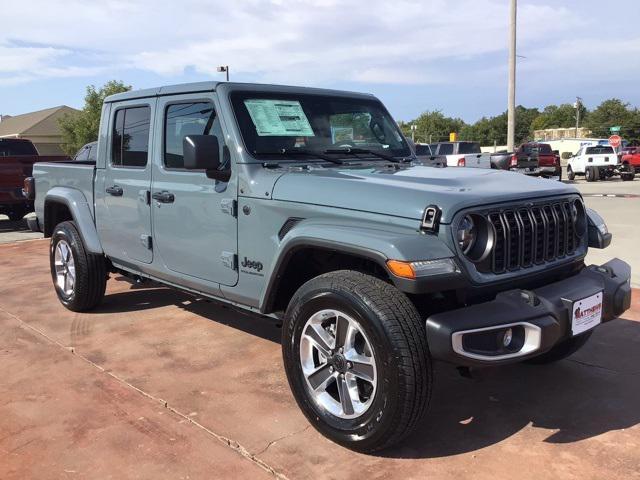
pixel 115 190
pixel 163 197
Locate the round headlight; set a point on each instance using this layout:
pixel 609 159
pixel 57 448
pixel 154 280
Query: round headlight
pixel 466 234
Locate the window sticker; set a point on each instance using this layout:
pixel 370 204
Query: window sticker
pixel 278 118
pixel 341 134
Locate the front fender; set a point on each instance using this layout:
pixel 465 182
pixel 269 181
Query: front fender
pixel 378 243
pixel 80 210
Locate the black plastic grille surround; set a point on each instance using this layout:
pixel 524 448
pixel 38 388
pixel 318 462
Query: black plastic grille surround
pixel 532 234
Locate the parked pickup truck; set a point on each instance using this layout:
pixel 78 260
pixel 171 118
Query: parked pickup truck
pixel 17 157
pixel 462 154
pixel 376 266
pixel 531 158
pixel 630 162
pixel 597 162
pixel 425 156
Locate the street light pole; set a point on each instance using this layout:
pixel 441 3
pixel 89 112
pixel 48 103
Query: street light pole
pixel 511 107
pixel 578 102
pixel 224 68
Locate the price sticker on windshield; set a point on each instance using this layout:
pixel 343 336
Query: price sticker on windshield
pixel 278 118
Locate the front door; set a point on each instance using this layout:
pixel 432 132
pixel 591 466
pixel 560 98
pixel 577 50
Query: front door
pixel 194 222
pixel 125 223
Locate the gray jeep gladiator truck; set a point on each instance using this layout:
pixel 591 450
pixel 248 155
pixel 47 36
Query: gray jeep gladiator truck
pixel 306 205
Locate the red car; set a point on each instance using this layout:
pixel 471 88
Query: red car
pixel 17 157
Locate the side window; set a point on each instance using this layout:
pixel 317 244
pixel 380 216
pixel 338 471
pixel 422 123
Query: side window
pixel 446 149
pixel 130 137
pixel 182 119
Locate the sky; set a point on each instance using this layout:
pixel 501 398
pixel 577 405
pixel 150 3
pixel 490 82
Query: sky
pixel 448 55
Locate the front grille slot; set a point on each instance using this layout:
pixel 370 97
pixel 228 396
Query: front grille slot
pixel 532 235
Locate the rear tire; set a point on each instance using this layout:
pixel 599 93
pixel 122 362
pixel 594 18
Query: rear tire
pixel 561 351
pixel 396 339
pixel 590 174
pixel 79 277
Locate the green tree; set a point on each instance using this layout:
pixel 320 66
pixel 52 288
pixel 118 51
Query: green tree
pixel 432 126
pixel 611 113
pixel 558 116
pixel 494 129
pixel 80 128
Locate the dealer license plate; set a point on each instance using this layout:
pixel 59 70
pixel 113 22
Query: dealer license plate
pixel 587 313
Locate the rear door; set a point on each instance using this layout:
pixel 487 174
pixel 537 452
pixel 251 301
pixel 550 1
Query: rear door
pixel 125 227
pixel 195 229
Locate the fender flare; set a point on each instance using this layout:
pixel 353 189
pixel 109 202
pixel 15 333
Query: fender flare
pixel 80 210
pixel 377 243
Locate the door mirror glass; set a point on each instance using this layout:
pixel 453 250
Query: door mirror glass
pixel 202 152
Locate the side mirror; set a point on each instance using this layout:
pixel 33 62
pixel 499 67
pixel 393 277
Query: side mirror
pixel 202 152
pixel 566 155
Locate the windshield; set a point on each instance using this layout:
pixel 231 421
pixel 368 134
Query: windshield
pixel 279 123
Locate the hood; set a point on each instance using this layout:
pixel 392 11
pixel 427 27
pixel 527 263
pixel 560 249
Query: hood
pixel 406 191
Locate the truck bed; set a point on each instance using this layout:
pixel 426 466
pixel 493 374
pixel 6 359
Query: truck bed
pixel 13 171
pixel 69 174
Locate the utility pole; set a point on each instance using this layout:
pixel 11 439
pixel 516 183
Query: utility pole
pixel 511 108
pixel 413 132
pixel 577 115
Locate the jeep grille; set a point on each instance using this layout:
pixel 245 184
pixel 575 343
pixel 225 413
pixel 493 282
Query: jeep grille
pixel 532 234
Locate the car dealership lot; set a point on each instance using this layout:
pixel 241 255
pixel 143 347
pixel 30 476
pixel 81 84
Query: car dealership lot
pixel 156 383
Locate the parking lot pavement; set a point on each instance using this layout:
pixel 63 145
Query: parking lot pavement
pixel 15 231
pixel 619 204
pixel 87 393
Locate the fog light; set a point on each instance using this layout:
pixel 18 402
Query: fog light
pixel 507 337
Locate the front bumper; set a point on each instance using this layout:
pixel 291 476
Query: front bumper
pixel 543 315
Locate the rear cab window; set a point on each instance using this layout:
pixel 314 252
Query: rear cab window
pixel 130 137
pixel 466 148
pixel 16 148
pixel 445 149
pixel 599 150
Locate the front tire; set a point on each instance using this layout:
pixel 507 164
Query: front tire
pixel 570 174
pixel 357 361
pixel 79 277
pixel 562 350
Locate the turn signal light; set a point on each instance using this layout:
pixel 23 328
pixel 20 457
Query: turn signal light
pixel 514 160
pixel 401 269
pixel 462 162
pixel 422 268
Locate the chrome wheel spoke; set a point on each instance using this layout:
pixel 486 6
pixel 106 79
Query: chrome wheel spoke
pixel 320 339
pixel 321 377
pixel 345 396
pixel 342 331
pixel 361 366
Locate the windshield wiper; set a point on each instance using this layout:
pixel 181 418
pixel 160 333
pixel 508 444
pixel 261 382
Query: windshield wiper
pixel 303 153
pixel 362 151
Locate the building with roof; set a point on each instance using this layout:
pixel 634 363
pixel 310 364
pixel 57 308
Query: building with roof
pixel 41 127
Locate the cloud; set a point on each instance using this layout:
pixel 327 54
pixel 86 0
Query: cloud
pixel 404 42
